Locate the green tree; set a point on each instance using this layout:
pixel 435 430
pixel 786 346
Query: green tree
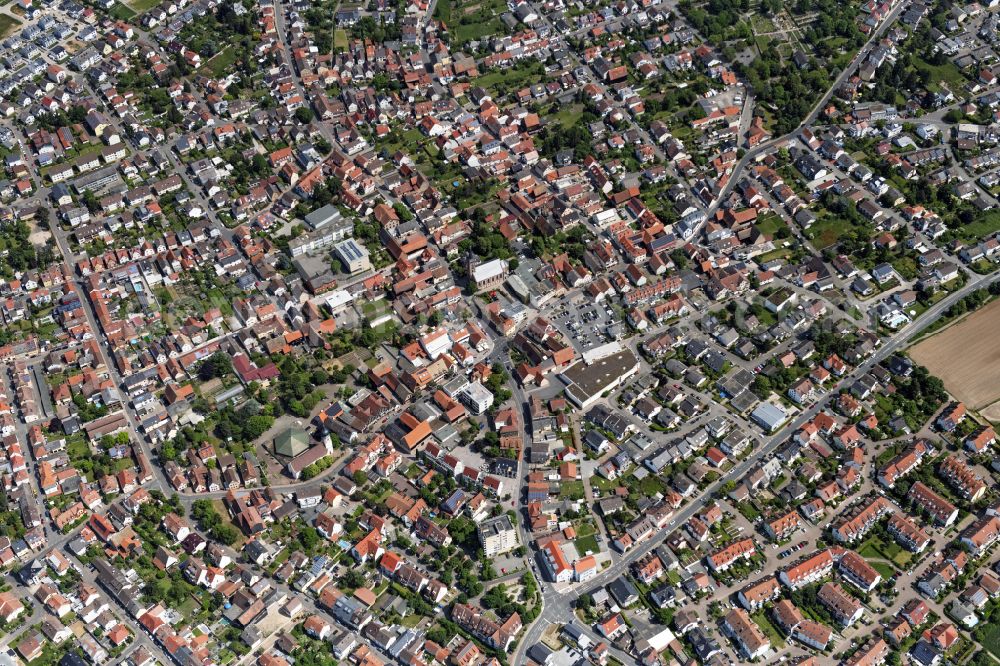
pixel 304 115
pixel 226 534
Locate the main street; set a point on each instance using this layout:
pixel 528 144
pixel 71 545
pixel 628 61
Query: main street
pixel 159 478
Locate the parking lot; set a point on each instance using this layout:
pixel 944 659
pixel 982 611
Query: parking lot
pixel 585 323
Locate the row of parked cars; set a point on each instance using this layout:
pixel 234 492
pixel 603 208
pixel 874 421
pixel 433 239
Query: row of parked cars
pixel 794 549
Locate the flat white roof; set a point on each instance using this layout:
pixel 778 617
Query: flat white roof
pixel 338 299
pixel 597 353
pixel 488 270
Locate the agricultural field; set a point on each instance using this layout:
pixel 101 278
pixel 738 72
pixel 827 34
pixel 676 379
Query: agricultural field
pixel 966 357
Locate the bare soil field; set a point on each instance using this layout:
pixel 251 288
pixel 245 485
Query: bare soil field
pixel 966 356
pixel 991 413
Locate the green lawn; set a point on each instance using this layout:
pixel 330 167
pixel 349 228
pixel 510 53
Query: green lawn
pixel 748 511
pixel 477 30
pixel 983 266
pixel 470 20
pixel 988 636
pixel 511 79
pixel 218 299
pixel 409 141
pixel 650 486
pixel 442 10
pixel 602 484
pixel 77 448
pixel 122 12
pixel 906 267
pixel 141 6
pixel 411 620
pixel 340 39
pixel 373 310
pixel 771 631
pixel 948 73
pixel 884 569
pixel 770 224
pixel 221 62
pixel 779 253
pixel 568 116
pixel 188 606
pixel 826 231
pixel 51 654
pixel 571 490
pixel 876 548
pixel 583 544
pixel 762 24
pixel 984 225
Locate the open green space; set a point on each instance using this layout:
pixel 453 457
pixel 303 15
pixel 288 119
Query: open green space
pixel 748 510
pixel 571 490
pixel 442 10
pixel 221 62
pixel 602 484
pixel 340 39
pixel 122 12
pixel 473 20
pixel 771 631
pixel 825 231
pixel 947 73
pixel 985 224
pixel 502 81
pixel 770 225
pixel 988 636
pixel 568 115
pixel 587 543
pixel 141 6
pixel 884 569
pixel 777 253
pixel 468 32
pixel 7 24
pixel 874 547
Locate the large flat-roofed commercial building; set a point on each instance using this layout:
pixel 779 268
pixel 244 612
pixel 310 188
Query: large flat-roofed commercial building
pixel 329 216
pixel 352 256
pixel 769 416
pixel 585 382
pixel 498 535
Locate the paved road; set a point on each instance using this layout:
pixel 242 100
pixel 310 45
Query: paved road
pixel 848 71
pixel 159 478
pixel 558 607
